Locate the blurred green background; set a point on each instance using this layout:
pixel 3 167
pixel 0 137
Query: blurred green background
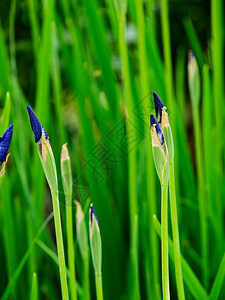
pixel 88 69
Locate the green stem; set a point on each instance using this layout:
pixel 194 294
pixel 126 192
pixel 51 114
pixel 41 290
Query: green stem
pixel 218 85
pixel 152 250
pixel 86 279
pixel 176 241
pixel 59 241
pixel 164 253
pixel 167 54
pixel 71 256
pixel 202 199
pixel 132 153
pixel 98 282
pixel 129 104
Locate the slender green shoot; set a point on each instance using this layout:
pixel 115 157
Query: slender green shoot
pixel 165 261
pixel 160 155
pixel 82 240
pixel 194 88
pixel 67 185
pixel 173 205
pixel 34 288
pixel 49 167
pixel 96 251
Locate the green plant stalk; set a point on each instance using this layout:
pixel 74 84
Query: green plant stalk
pixel 218 81
pixel 167 55
pixel 164 228
pixel 128 102
pixel 144 86
pixel 98 283
pixel 202 199
pixel 176 241
pixel 132 166
pixel 32 8
pixel 34 288
pixel 86 279
pixel 207 121
pixel 151 14
pixel 59 241
pixel 191 280
pixel 71 256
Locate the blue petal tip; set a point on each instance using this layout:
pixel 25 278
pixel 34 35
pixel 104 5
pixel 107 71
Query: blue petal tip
pixel 152 120
pixel 93 214
pixel 158 129
pixel 158 107
pixel 5 143
pixel 36 125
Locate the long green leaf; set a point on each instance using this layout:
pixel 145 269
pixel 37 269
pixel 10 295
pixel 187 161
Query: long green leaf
pixel 8 291
pixel 217 285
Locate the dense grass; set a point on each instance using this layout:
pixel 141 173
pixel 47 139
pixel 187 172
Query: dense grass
pixel 88 69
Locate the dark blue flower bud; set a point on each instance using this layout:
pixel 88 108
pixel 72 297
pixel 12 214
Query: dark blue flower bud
pixel 158 107
pixel 37 128
pixel 5 143
pixel 92 214
pixel 158 129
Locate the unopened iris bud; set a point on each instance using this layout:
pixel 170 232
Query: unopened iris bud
pixel 37 128
pixel 193 79
pixel 66 171
pixel 166 128
pixel 163 119
pixel 95 240
pixel 81 229
pixel 160 152
pixel 5 141
pixel 44 150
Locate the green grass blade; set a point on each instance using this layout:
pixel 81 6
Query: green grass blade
pixel 97 36
pixel 217 284
pixel 194 41
pixel 34 288
pixel 52 254
pixel 8 291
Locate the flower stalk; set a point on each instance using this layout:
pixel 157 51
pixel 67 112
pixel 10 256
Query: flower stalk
pixel 167 132
pixel 82 240
pixel 96 251
pixel 49 167
pixel 194 90
pixel 67 186
pixel 160 156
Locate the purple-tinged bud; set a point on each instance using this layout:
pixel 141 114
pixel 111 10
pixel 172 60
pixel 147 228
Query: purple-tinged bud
pixel 157 129
pixel 5 143
pixel 159 151
pixel 92 215
pixel 95 241
pixel 37 128
pixel 158 107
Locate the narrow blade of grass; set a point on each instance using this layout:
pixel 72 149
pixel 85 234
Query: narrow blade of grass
pixel 217 285
pixel 8 291
pixel 34 288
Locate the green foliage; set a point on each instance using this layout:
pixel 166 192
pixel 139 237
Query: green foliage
pixel 88 68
